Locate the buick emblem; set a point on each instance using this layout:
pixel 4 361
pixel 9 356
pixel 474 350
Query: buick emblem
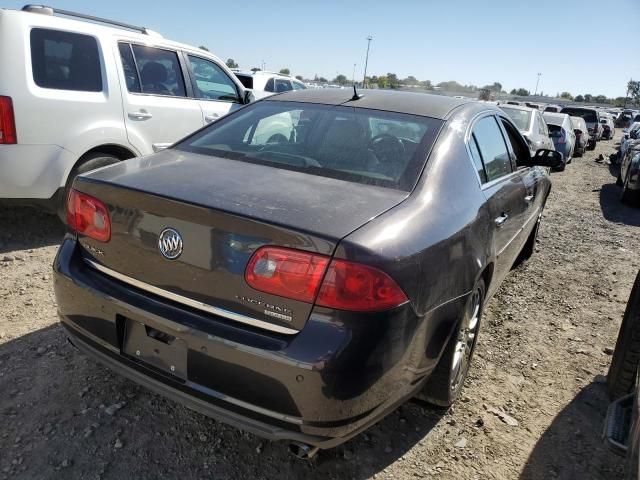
pixel 170 243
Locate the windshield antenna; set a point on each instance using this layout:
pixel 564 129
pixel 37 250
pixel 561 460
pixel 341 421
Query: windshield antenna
pixel 356 95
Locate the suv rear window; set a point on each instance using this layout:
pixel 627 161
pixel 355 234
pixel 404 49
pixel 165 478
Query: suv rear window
pixel 588 115
pixel 65 61
pixel 354 144
pixel 522 118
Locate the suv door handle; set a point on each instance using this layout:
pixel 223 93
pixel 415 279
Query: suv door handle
pixel 211 118
pixel 501 219
pixel 529 198
pixel 160 146
pixel 141 115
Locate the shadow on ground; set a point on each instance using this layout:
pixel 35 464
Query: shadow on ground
pixel 616 211
pixel 572 447
pixel 24 228
pixel 54 425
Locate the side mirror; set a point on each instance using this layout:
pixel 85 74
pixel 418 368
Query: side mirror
pixel 249 97
pixel 547 158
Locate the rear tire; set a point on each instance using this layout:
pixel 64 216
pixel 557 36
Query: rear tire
pixel 446 381
pixel 630 197
pixel 90 161
pixel 626 356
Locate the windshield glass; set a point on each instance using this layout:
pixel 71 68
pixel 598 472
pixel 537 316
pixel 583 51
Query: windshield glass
pixel 355 144
pixel 521 118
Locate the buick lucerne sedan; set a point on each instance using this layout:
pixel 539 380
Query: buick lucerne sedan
pixel 307 263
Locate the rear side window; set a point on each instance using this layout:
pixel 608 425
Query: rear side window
pixel 65 61
pixel 245 80
pixel 477 159
pixel 158 72
pixel 270 86
pixel 283 85
pixel 495 155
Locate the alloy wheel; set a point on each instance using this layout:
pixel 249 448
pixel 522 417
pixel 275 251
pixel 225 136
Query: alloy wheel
pixel 466 340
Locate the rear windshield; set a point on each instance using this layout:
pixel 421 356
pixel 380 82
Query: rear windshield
pixel 588 115
pixel 521 118
pixel 354 144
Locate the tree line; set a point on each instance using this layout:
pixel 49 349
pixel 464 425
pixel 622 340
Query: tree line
pixel 487 92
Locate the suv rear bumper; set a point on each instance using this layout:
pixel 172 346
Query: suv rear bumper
pixel 30 172
pixel 340 374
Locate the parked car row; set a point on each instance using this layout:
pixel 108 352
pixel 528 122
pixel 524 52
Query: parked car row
pixel 629 158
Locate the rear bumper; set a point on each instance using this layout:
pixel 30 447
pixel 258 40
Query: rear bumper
pixel 321 386
pixel 33 171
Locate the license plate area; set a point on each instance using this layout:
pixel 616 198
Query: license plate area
pixel 157 348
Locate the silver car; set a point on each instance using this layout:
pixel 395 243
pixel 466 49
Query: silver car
pixel 562 134
pixel 582 135
pixel 531 125
pixel 608 125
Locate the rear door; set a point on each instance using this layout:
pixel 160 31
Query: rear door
pixel 216 92
pixel 157 107
pixel 503 187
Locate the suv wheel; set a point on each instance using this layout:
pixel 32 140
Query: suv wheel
pixel 87 163
pixel 626 356
pixel 446 381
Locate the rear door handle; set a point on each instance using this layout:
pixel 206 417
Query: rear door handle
pixel 141 115
pixel 211 118
pixel 501 219
pixel 529 198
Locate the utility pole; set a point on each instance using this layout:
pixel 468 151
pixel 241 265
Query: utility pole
pixel 537 82
pixel 366 62
pixel 263 65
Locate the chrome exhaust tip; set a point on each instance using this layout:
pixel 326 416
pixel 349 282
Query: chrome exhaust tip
pixel 302 450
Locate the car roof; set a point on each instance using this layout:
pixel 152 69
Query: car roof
pixel 579 109
pixel 424 104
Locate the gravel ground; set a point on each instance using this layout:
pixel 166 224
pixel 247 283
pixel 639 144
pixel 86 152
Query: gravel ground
pixel 532 408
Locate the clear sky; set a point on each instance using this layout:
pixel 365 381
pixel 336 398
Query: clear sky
pixel 580 46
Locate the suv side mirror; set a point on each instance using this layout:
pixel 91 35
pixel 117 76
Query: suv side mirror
pixel 249 97
pixel 547 158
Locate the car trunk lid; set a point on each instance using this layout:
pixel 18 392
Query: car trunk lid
pixel 224 211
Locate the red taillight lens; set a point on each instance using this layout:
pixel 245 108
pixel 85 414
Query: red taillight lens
pixel 288 273
pixel 88 216
pixel 299 275
pixel 7 122
pixel 356 287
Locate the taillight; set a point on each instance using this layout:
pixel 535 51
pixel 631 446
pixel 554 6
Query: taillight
pixel 299 275
pixel 285 272
pixel 356 287
pixel 88 216
pixel 7 122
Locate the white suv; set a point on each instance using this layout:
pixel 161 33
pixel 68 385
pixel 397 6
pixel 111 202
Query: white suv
pixel 77 95
pixel 264 84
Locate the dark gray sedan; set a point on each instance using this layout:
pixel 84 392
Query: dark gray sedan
pixel 306 264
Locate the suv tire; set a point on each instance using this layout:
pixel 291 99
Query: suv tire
pixel 88 162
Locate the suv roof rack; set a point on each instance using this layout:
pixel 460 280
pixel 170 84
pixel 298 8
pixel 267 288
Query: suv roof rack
pixel 45 10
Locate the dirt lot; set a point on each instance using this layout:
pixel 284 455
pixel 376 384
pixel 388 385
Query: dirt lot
pixel 540 359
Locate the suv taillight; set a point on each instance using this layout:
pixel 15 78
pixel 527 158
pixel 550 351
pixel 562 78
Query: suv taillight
pixel 88 216
pixel 7 122
pixel 306 277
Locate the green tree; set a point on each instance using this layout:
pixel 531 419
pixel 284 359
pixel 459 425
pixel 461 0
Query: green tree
pixel 521 92
pixel 410 80
pixel 427 84
pixel 588 97
pixel 202 47
pixel 341 79
pixel 601 99
pixel 231 63
pixel 299 77
pixel 285 71
pixel 513 92
pixel 495 87
pixel 256 69
pixel 578 98
pixel 392 80
pixel 383 81
pixel 323 80
pixel 566 95
pixel 485 94
pixel 633 91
